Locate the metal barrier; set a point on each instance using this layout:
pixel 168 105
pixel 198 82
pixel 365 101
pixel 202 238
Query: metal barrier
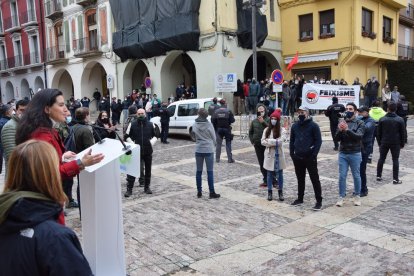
pixel 245 121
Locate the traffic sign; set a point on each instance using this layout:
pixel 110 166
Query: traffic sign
pixel 148 82
pixel 277 76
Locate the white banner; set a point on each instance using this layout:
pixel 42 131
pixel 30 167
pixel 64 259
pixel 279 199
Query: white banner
pixel 226 82
pixel 319 96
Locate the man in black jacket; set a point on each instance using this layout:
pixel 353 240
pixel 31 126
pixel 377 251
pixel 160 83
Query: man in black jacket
pixel 349 135
pixel 403 110
pixel 141 131
pixel 164 115
pixel 305 143
pixel 332 112
pixel 222 120
pixel 391 136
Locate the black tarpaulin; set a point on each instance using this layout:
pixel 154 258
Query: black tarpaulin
pixel 151 28
pixel 244 29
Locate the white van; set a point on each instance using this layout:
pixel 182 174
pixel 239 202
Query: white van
pixel 183 114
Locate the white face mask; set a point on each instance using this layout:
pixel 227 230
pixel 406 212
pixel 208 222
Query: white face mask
pixel 273 122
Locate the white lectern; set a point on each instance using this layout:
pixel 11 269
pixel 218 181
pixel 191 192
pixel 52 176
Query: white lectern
pixel 102 222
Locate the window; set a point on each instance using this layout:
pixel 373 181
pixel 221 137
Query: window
pixel 305 27
pixel 67 40
pixel 171 109
pixel 188 109
pixel 366 21
pixel 327 23
pixel 1 23
pixel 386 28
pixel 272 10
pixel 207 105
pixel 3 58
pixel 92 19
pixel 18 56
pixel 14 14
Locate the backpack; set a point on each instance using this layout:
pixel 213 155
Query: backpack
pixel 70 141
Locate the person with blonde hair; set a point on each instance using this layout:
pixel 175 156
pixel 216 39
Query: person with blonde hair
pixel 33 238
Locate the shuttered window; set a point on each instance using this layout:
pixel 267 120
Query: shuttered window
pixel 306 26
pixel 327 22
pixel 67 40
pixel 386 27
pixel 366 21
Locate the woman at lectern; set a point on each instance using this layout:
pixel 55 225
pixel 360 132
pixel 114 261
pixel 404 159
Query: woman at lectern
pixel 33 240
pixel 47 108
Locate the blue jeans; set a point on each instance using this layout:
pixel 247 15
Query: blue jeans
pixel 285 104
pixel 270 178
pixel 209 158
pixel 352 160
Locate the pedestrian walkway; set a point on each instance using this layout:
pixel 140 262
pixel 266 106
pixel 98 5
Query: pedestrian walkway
pixel 173 232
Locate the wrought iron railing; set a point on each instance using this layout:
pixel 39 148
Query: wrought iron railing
pixel 86 45
pixel 55 53
pixel 405 52
pixel 52 6
pixel 11 22
pixel 28 16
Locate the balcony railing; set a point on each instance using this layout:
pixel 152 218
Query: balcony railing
pixel 407 14
pixel 86 46
pixel 4 65
pixel 11 22
pixel 29 16
pixel 405 52
pixel 55 53
pixel 19 61
pixel 85 2
pixel 15 61
pixel 53 9
pixel 32 58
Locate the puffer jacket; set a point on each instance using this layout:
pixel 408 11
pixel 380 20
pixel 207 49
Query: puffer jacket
pixel 269 155
pixel 305 139
pixel 256 128
pixel 391 130
pixel 141 132
pixel 8 137
pixel 350 140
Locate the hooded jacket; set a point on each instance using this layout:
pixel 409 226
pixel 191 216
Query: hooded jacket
pixel 32 242
pixel 205 136
pixel 256 128
pixel 377 113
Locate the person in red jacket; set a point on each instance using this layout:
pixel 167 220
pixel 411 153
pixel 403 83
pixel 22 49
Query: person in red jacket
pixel 45 109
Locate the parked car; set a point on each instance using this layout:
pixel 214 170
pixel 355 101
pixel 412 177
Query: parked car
pixel 183 114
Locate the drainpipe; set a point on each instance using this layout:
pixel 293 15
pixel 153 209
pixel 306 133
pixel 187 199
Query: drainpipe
pixel 42 25
pixel 352 48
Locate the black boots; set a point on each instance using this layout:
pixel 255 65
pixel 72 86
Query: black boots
pixel 128 192
pixel 214 195
pixel 281 197
pixel 270 195
pixel 147 190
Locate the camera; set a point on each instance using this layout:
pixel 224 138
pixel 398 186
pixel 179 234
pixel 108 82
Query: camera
pixel 341 115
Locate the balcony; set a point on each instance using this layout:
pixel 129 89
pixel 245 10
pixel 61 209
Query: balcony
pixel 11 24
pixel 29 18
pixel 85 3
pixel 56 54
pixel 87 46
pixel 405 52
pixel 13 62
pixel 4 65
pixel 32 59
pixel 53 9
pixel 407 15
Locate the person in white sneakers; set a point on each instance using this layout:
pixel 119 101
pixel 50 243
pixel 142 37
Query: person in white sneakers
pixel 349 135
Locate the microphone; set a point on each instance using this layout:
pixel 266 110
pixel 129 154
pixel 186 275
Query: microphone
pixel 125 147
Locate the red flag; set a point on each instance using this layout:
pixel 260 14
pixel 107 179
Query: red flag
pixel 293 62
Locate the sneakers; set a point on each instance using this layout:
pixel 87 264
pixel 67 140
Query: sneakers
pixel 128 193
pixel 340 202
pixel 72 204
pixel 214 195
pixel 357 201
pixel 379 178
pixel 396 182
pixel 364 194
pixel 231 161
pixel 148 191
pixel 199 194
pixel 297 202
pixel 318 206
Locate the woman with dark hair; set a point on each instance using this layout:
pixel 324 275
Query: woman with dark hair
pixel 47 108
pixel 33 238
pixel 105 130
pixel 274 158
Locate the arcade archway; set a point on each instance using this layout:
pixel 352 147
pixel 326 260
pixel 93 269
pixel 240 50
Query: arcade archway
pixel 266 63
pixel 24 89
pixel 63 81
pixel 38 84
pixel 9 91
pixel 134 76
pixel 94 76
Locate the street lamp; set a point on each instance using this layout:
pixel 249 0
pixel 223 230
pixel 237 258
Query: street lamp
pixel 254 4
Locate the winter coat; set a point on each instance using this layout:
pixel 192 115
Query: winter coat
pixel 32 242
pixel 333 111
pixel 350 140
pixel 141 132
pixel 369 133
pixel 164 115
pixel 269 155
pixel 286 92
pixel 51 136
pixel 256 128
pixel 254 89
pixel 305 139
pixel 8 137
pixel 377 113
pixel 100 134
pixel 83 137
pixel 391 130
pixel 205 136
pixel 3 122
pixel 371 89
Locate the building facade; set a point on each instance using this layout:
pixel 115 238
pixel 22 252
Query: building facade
pixel 341 39
pixel 21 40
pixel 78 32
pixel 219 53
pixel 406 32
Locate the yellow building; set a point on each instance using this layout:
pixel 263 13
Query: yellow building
pixel 340 38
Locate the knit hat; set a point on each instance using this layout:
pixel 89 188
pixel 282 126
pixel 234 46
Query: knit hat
pixel 275 114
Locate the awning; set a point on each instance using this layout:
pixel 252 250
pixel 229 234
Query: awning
pixel 314 58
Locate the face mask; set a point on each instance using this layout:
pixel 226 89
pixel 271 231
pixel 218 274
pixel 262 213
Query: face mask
pixel 273 122
pixel 296 82
pixel 360 117
pixel 68 119
pixel 349 114
pixel 302 117
pixel 141 117
pixel 105 120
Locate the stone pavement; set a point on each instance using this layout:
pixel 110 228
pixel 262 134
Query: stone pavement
pixel 173 232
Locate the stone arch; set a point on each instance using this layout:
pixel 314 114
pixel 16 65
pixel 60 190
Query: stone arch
pixel 63 81
pixel 93 76
pixel 134 75
pixel 38 84
pixel 9 91
pixel 24 89
pixel 177 68
pixel 266 63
